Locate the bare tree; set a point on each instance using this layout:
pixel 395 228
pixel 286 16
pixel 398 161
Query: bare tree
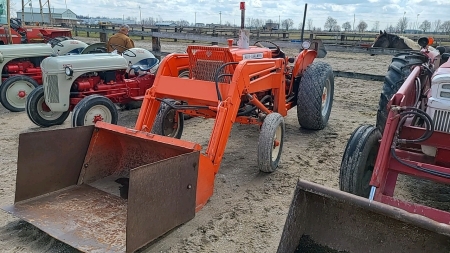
pixel 336 28
pixel 330 23
pixel 425 26
pixel 445 27
pixel 402 24
pixel 309 24
pixel 390 29
pixel 346 26
pixel 182 23
pixel 436 25
pixel 287 23
pixel 300 25
pixel 376 26
pixel 362 26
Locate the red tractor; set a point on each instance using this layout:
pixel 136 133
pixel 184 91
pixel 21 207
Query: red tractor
pixel 31 34
pixel 412 133
pixel 21 72
pixel 91 85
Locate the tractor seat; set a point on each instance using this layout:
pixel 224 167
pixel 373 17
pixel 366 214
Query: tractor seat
pixel 144 65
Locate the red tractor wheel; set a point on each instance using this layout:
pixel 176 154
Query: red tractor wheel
pixel 92 109
pixel 39 113
pixel 14 92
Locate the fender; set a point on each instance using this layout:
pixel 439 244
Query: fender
pixel 303 60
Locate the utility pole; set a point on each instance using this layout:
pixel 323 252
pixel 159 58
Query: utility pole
pixel 140 16
pixel 279 21
pixel 42 15
pixel 220 13
pixel 23 10
pixel 195 19
pixel 354 19
pixel 49 13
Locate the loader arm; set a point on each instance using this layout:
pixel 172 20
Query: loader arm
pixel 248 76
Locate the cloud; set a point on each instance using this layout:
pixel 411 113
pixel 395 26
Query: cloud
pixel 386 12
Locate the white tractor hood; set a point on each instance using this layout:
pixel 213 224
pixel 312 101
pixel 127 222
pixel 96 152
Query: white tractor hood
pixel 83 63
pixel 25 50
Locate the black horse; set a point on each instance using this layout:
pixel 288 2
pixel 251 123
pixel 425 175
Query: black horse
pixel 388 40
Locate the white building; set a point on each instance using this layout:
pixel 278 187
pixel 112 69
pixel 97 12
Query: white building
pixel 59 16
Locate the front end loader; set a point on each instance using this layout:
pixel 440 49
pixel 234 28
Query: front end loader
pixel 108 188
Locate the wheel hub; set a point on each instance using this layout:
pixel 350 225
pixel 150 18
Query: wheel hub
pixel 97 118
pixel 21 94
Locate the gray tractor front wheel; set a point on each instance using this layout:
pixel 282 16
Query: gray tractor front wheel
pixel 358 161
pixel 270 143
pixel 315 96
pixel 92 109
pixel 14 92
pixel 39 113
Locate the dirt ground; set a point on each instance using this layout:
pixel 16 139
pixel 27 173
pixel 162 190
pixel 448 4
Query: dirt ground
pixel 248 209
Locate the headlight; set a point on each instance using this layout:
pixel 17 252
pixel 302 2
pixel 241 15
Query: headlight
pixel 1 57
pixel 306 44
pixel 69 71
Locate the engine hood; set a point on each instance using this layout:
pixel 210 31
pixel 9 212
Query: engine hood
pixel 25 50
pixel 83 63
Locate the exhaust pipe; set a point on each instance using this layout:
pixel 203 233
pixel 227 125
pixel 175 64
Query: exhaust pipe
pixel 105 188
pixel 322 219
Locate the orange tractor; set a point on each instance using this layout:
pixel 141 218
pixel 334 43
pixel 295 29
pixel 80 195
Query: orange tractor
pixel 93 196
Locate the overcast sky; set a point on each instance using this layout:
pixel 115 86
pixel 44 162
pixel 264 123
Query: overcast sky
pixel 387 12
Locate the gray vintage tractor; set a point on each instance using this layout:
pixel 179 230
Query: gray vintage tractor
pixel 21 72
pixel 90 85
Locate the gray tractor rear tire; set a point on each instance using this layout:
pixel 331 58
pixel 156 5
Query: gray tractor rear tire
pixel 9 89
pixel 358 160
pixel 38 114
pixel 270 143
pixel 166 122
pixel 315 96
pixel 398 71
pixel 92 106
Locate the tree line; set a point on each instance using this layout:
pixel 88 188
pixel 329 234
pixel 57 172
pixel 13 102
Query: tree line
pixel 403 24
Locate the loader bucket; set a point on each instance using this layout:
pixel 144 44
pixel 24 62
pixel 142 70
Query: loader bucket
pixel 66 185
pixel 322 219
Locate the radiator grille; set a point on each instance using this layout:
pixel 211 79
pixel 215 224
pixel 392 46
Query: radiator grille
pixel 441 121
pixel 52 89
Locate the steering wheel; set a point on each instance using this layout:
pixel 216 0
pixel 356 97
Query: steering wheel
pixel 275 51
pixel 55 41
pixel 114 46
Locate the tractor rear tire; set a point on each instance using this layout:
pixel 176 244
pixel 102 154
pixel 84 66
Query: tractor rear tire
pixel 398 71
pixel 270 143
pixel 92 109
pixel 315 96
pixel 14 92
pixel 37 112
pixel 167 123
pixel 358 160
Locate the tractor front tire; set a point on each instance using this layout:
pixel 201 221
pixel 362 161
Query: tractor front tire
pixel 168 122
pixel 270 143
pixel 39 113
pixel 398 71
pixel 92 109
pixel 315 96
pixel 14 92
pixel 358 160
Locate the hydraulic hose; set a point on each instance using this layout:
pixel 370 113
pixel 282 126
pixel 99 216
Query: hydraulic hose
pixel 429 129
